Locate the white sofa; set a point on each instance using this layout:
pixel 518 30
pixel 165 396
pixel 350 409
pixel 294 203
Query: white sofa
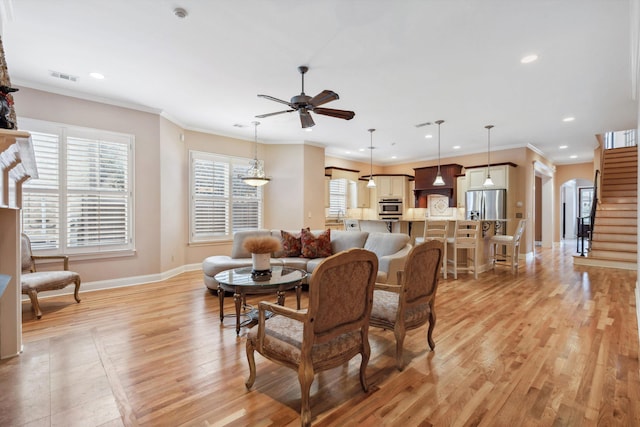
pixel 390 248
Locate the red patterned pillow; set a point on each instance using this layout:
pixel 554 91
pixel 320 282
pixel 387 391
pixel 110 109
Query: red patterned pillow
pixel 316 247
pixel 291 244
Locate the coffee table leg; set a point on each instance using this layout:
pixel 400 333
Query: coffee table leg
pixel 298 294
pixel 221 299
pixel 237 299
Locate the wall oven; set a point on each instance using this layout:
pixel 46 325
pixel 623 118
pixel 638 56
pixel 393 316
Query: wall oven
pixel 389 208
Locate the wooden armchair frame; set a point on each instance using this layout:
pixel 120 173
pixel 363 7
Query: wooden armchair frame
pixel 329 333
pixel 34 281
pixel 410 304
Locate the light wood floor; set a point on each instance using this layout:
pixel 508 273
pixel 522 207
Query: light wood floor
pixel 557 345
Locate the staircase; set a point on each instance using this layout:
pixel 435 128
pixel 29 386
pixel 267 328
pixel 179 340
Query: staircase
pixel 614 238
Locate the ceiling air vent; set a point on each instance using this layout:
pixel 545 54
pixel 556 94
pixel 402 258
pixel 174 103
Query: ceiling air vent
pixel 63 76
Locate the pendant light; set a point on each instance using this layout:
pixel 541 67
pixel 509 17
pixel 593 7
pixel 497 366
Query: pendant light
pixel 438 182
pixel 255 176
pixel 488 182
pixel 371 183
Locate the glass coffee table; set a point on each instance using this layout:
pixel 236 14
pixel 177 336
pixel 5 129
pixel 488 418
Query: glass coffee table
pixel 240 282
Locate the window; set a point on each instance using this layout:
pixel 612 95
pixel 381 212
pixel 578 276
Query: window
pixel 81 201
pixel 221 203
pixel 337 197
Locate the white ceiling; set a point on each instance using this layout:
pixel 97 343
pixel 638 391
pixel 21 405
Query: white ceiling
pixel 395 63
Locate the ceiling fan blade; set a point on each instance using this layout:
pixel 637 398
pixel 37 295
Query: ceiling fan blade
pixel 262 116
pixel 340 114
pixel 276 100
pixel 323 97
pixel 305 119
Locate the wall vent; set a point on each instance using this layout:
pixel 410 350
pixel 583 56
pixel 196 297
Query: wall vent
pixel 63 76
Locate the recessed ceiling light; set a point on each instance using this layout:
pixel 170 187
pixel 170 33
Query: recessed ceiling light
pixel 361 149
pixel 347 152
pixel 428 136
pixel 562 147
pixel 97 76
pixel 456 147
pixel 529 58
pixel 573 156
pixel 393 157
pixel 568 119
pixel 308 129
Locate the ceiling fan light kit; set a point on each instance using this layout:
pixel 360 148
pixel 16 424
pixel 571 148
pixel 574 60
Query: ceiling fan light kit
pixel 371 183
pixel 305 104
pixel 438 181
pixel 255 176
pixel 488 182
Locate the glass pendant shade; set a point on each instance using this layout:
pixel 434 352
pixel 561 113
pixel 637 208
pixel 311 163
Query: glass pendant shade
pixel 488 182
pixel 255 176
pixel 438 182
pixel 371 183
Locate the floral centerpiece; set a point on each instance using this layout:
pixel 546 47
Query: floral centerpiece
pixel 261 248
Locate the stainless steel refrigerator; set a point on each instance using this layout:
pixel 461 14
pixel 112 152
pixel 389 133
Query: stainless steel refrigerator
pixel 486 204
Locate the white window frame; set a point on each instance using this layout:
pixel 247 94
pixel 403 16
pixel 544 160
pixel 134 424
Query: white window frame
pixel 64 131
pixel 228 198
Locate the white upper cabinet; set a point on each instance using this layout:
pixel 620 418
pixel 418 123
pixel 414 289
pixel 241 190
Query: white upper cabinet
pixel 499 175
pixel 391 186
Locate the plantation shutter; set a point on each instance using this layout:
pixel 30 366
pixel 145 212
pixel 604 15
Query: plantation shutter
pixel 97 193
pixel 337 197
pixel 221 203
pixel 210 198
pixel 41 196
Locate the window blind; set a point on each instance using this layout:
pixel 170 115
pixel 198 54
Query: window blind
pixel 221 203
pixel 82 200
pixel 337 197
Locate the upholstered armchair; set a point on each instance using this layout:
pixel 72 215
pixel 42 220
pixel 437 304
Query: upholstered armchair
pixel 37 281
pixel 411 303
pixel 329 333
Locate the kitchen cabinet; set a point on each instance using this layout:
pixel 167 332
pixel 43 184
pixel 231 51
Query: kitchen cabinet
pixel 424 183
pixel 462 189
pixel 364 194
pixel 501 175
pixel 391 186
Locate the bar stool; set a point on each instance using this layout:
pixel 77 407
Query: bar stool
pixel 511 245
pixel 465 237
pixel 436 230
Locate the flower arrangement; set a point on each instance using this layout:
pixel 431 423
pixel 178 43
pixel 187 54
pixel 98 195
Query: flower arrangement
pixel 262 244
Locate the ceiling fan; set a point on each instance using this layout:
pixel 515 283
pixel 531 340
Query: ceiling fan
pixel 304 104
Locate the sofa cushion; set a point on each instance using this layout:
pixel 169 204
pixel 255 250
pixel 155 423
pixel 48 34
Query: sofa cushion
pixel 341 240
pixel 238 250
pixel 383 244
pixel 291 244
pixel 315 246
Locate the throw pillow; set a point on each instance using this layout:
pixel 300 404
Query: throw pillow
pixel 291 244
pixel 316 247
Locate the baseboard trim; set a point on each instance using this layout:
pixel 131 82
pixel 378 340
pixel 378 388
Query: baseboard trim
pixel 122 282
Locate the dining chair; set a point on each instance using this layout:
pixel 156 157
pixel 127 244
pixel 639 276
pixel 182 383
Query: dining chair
pixel 509 244
pixel 437 230
pixel 466 236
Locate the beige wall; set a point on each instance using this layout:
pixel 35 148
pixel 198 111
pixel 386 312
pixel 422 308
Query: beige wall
pixel 174 178
pixel 146 128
